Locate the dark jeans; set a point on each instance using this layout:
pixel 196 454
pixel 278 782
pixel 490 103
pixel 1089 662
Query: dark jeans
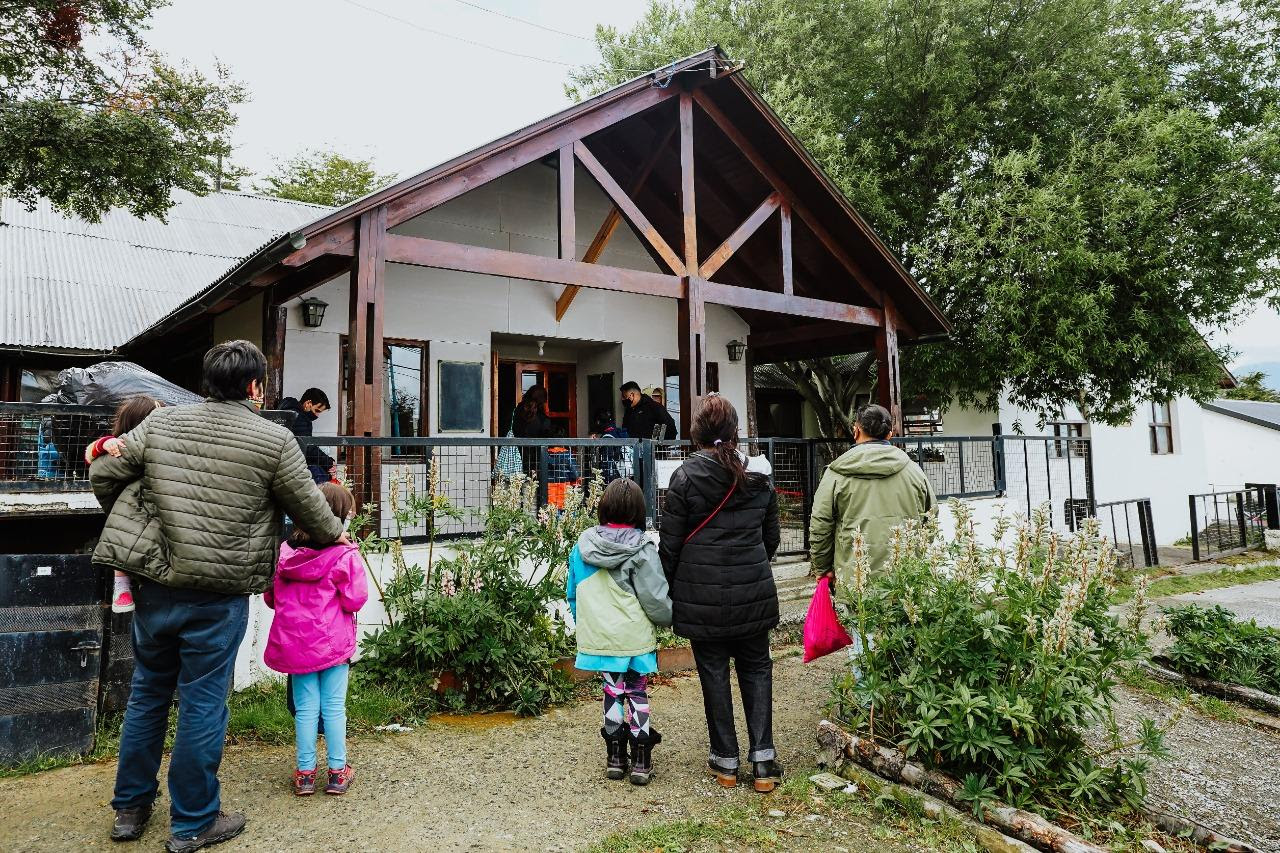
pixel 186 640
pixel 755 679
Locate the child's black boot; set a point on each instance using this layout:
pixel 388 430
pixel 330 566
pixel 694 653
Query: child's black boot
pixel 767 775
pixel 642 756
pixel 616 748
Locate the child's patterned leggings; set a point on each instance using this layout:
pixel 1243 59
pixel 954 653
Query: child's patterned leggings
pixel 625 697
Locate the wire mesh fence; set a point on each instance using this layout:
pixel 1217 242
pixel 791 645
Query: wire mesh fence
pixel 42 445
pixel 1227 522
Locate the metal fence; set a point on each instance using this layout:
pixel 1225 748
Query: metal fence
pixel 1228 522
pixel 42 445
pixel 1129 526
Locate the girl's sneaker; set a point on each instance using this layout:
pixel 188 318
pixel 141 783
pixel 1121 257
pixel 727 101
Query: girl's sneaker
pixel 340 781
pixel 123 602
pixel 304 782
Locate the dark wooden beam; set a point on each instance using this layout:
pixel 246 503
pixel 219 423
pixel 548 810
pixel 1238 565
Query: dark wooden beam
pixel 365 319
pixel 691 336
pixel 770 174
pixel 798 334
pixel 468 174
pixel 568 224
pixel 424 252
pixel 749 365
pixel 688 202
pixel 798 306
pixel 274 325
pixel 788 265
pixel 888 386
pixel 612 220
pixel 740 236
pixel 629 209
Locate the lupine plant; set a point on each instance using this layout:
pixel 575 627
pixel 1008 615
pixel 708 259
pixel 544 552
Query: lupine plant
pixel 1213 643
pixel 994 663
pixel 484 611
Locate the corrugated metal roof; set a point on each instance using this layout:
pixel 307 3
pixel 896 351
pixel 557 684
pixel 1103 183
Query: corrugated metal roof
pixel 1254 411
pixel 70 284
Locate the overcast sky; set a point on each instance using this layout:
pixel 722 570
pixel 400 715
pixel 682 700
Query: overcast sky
pixel 369 79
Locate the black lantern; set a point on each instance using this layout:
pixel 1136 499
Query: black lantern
pixel 736 350
pixel 313 312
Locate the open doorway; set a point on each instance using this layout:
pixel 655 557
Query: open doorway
pixel 515 378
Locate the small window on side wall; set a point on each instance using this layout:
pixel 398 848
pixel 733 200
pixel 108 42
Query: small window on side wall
pixel 1161 428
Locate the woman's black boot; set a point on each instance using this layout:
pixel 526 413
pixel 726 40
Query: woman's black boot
pixel 642 756
pixel 616 753
pixel 767 775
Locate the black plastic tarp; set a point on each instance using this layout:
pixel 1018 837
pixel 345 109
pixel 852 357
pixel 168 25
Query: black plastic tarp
pixel 109 383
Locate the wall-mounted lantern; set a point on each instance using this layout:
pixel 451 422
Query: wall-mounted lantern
pixel 313 312
pixel 736 350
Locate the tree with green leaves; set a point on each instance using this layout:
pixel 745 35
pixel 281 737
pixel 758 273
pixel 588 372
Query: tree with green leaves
pixel 111 126
pixel 1252 386
pixel 1079 184
pixel 324 177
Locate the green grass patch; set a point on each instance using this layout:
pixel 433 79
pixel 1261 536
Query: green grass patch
pixel 1179 584
pixel 812 820
pixel 1208 706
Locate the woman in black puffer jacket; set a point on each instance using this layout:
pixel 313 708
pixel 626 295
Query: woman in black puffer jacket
pixel 719 534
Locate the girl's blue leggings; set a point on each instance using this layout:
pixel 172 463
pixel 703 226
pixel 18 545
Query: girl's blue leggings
pixel 316 694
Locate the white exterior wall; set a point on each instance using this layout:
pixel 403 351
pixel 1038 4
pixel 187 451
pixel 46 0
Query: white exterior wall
pixel 1124 467
pixel 459 313
pixel 1238 452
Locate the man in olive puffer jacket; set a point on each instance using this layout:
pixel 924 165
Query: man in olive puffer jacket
pixel 201 489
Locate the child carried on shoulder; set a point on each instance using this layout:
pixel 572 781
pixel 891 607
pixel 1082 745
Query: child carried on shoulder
pixel 617 593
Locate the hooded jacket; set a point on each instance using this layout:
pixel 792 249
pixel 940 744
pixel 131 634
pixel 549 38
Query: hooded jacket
pixel 302 426
pixel 722 579
pixel 872 487
pixel 617 593
pixel 316 594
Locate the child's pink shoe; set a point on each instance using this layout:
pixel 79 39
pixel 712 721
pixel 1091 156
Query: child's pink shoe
pixel 123 602
pixel 340 781
pixel 304 782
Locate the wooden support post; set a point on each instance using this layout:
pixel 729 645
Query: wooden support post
pixel 686 183
pixel 364 344
pixel 749 365
pixel 691 317
pixel 568 225
pixel 273 337
pixel 788 265
pixel 888 387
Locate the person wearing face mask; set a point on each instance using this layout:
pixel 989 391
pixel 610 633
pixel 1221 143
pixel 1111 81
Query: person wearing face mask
pixel 645 415
pixel 310 406
pixel 316 594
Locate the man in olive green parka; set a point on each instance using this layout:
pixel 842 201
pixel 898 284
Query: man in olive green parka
pixel 872 488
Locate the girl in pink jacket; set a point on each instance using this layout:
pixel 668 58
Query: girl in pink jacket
pixel 316 594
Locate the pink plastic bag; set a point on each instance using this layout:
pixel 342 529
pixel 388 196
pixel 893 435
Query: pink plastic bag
pixel 823 633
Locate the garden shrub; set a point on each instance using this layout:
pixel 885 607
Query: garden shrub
pixel 1212 643
pixel 488 614
pixel 994 664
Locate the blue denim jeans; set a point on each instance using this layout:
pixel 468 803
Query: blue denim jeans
pixel 183 640
pixel 317 694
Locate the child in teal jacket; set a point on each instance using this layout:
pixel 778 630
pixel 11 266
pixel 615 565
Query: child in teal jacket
pixel 617 593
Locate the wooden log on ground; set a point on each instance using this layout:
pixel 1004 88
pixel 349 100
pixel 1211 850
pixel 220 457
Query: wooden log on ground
pixel 988 838
pixel 1263 701
pixel 893 765
pixel 1198 832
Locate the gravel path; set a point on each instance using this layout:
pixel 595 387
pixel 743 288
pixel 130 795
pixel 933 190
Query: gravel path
pixel 477 784
pixel 495 783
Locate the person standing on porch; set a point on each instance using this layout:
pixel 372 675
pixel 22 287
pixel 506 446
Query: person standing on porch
pixel 870 488
pixel 644 415
pixel 215 477
pixel 718 537
pixel 306 409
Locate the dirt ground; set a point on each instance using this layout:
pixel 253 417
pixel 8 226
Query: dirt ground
pixel 497 784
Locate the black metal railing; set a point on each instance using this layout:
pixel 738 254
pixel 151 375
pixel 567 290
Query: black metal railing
pixel 42 445
pixel 1229 522
pixel 1129 526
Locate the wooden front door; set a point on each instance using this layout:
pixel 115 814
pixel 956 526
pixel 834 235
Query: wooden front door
pixel 561 382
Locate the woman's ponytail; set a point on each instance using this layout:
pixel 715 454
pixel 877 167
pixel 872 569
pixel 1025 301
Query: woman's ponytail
pixel 715 429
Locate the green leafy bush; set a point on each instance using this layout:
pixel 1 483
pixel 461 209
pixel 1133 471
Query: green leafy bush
pixel 1214 644
pixel 993 664
pixel 487 615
